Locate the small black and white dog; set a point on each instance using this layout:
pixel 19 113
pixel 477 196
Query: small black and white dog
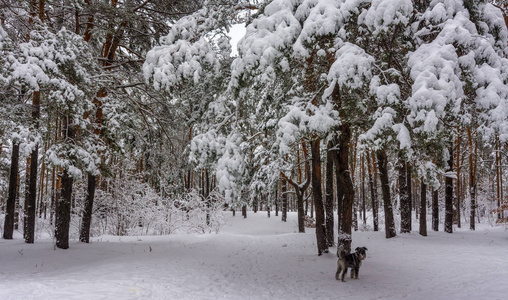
pixel 352 260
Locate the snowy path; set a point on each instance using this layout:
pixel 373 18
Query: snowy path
pixel 257 258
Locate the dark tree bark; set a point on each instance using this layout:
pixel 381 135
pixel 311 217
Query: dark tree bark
pixel 244 211
pixel 449 196
pixel 277 200
pixel 373 192
pixel 63 214
pixel 435 210
pixel 255 204
pixel 345 188
pixel 31 194
pixel 423 209
pixel 409 170
pixel 329 196
pixel 63 206
pixel 318 196
pixel 382 161
pixel 11 198
pixel 84 233
pixel 472 178
pixel 206 196
pixel 284 201
pixel 404 199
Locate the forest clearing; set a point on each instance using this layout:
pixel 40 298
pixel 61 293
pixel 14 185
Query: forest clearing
pixel 226 148
pixel 258 258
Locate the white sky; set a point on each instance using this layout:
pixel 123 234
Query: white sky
pixel 237 32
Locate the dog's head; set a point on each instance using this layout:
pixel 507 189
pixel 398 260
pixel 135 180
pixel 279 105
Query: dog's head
pixel 361 252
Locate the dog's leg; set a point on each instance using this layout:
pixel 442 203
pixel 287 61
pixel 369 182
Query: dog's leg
pixel 337 274
pixel 344 273
pixel 356 272
pixel 353 269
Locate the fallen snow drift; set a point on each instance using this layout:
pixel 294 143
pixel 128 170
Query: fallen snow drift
pixel 257 258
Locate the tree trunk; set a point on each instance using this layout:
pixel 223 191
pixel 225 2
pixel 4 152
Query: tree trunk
pixel 345 189
pixel 318 196
pixel 284 201
pixel 63 214
pixel 382 161
pixel 449 196
pixel 63 206
pixel 277 200
pixel 373 192
pixel 31 194
pixel 362 188
pixel 301 215
pixel 472 178
pixel 84 233
pixel 404 199
pixel 329 196
pixel 435 210
pixel 423 209
pixel 300 189
pixel 409 170
pixel 11 198
pixel 458 183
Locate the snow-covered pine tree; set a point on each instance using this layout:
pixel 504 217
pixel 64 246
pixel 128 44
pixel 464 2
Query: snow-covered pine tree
pixel 462 43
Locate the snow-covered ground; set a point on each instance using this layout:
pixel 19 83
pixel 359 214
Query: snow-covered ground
pixel 257 258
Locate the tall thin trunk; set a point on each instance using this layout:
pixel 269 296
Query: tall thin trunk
pixel 458 183
pixel 31 195
pixel 329 196
pixel 346 188
pixel 300 188
pixel 63 214
pixel 63 209
pixel 423 208
pixel 435 210
pixel 318 196
pixel 499 179
pixel 404 199
pixel 277 200
pixel 11 198
pixel 449 196
pixel 409 170
pixel 382 161
pixel 284 196
pixel 362 161
pixel 207 197
pixel 472 178
pixel 86 220
pixel 373 192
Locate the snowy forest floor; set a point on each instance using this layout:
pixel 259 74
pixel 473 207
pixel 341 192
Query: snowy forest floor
pixel 258 258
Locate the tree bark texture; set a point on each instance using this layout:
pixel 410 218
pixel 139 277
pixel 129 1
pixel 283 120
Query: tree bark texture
pixel 318 196
pixel 404 199
pixel 11 198
pixel 382 161
pixel 86 221
pixel 449 196
pixel 31 195
pixel 373 192
pixel 63 214
pixel 329 196
pixel 284 196
pixel 346 188
pixel 435 210
pixel 423 209
pixel 472 178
